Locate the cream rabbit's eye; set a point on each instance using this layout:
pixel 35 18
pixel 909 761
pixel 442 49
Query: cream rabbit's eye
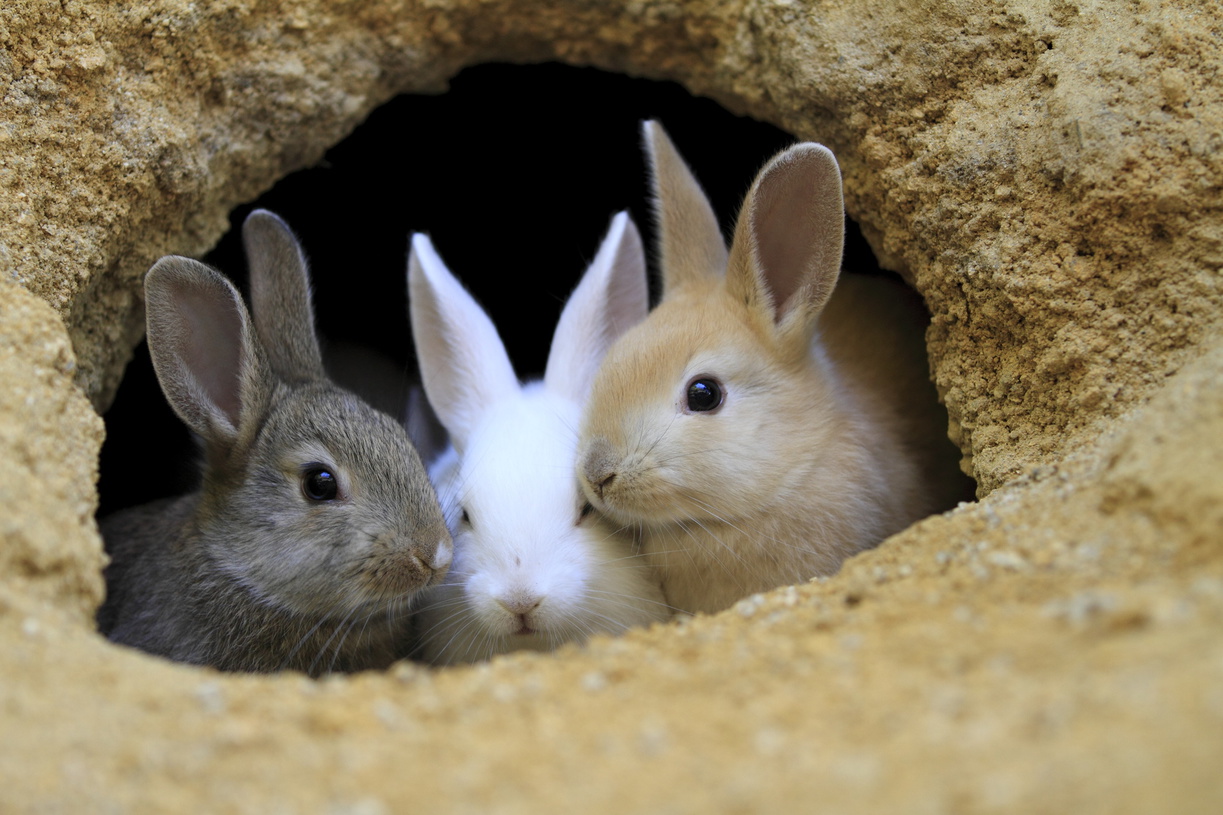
pixel 319 483
pixel 704 394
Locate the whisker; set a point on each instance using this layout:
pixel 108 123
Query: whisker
pixel 323 648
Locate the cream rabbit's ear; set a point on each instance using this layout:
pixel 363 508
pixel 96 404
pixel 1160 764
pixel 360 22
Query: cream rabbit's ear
pixel 463 363
pixel 204 349
pixel 786 254
pixel 280 298
pixel 611 298
pixel 690 243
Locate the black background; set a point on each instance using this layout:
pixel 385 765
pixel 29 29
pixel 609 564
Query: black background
pixel 515 173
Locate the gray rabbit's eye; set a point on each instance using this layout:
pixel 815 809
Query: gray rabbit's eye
pixel 704 394
pixel 319 483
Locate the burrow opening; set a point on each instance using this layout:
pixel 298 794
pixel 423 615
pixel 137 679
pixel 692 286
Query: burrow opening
pixel 514 172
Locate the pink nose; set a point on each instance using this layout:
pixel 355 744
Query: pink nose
pixel 519 605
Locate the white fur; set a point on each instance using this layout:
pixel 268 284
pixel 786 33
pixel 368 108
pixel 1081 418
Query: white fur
pixel 531 570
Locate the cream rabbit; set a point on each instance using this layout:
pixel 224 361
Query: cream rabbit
pixel 533 567
pixel 756 437
pixel 316 521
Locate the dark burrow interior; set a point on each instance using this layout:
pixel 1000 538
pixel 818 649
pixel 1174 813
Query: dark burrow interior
pixel 514 172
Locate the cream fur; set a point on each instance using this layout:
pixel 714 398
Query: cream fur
pixel 806 461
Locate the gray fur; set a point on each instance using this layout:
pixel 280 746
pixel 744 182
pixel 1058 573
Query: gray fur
pixel 280 298
pixel 248 574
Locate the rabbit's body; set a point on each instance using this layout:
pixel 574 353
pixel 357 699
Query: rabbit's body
pixel 745 425
pixel 315 523
pixel 873 331
pixel 532 569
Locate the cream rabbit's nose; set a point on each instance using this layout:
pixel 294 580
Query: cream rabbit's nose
pixel 598 467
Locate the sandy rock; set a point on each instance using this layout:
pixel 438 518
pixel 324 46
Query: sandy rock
pixel 49 438
pixel 1048 175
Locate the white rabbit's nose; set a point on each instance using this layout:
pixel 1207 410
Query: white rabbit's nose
pixel 520 604
pixel 441 555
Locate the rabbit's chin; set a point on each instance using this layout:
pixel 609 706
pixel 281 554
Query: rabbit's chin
pixel 517 634
pixel 470 636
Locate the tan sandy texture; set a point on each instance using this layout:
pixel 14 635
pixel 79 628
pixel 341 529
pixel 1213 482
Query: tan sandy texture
pixel 1048 174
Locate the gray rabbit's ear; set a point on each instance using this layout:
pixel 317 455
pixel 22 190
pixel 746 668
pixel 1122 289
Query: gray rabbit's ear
pixel 786 255
pixel 690 243
pixel 204 349
pixel 280 298
pixel 463 363
pixel 611 298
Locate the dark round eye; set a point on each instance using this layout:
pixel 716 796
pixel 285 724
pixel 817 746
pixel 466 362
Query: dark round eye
pixel 584 511
pixel 319 483
pixel 704 394
pixel 466 517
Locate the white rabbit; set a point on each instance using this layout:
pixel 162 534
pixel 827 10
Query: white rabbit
pixel 756 437
pixel 533 567
pixel 316 521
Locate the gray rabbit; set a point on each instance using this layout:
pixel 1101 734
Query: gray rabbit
pixel 315 523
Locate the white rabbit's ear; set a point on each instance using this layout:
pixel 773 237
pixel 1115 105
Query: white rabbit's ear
pixel 690 243
pixel 280 298
pixel 611 298
pixel 786 255
pixel 204 349
pixel 463 364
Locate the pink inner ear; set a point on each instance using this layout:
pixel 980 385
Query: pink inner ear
pixel 212 348
pixel 798 228
pixel 781 248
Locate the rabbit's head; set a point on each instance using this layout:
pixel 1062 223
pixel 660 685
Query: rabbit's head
pixel 312 501
pixel 707 408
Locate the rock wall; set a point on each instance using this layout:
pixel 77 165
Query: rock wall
pixel 1048 174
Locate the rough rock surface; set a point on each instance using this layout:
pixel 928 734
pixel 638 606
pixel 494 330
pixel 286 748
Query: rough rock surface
pixel 1048 174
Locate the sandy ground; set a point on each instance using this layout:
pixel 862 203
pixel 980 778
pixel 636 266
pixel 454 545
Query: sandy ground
pixel 1048 175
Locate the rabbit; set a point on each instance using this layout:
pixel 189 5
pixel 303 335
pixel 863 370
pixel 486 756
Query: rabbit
pixel 316 522
pixel 759 427
pixel 533 566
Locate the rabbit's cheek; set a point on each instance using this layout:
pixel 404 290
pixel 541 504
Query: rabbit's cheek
pixel 648 499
